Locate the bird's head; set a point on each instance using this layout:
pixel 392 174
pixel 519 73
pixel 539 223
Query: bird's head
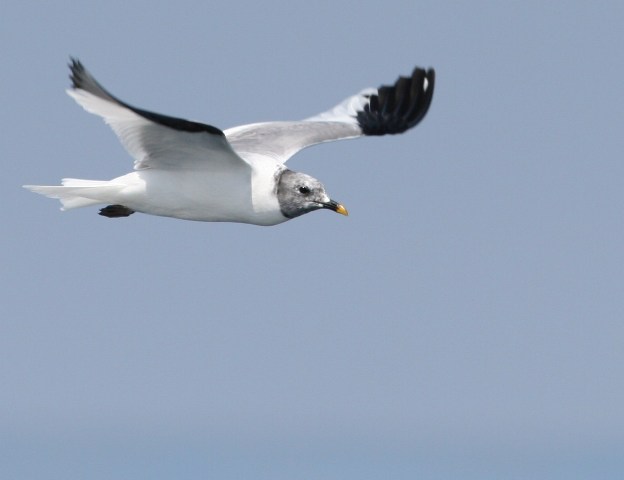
pixel 298 193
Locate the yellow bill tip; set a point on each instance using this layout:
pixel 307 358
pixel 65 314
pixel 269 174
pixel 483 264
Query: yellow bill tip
pixel 342 210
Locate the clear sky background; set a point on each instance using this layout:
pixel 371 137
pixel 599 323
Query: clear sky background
pixel 465 321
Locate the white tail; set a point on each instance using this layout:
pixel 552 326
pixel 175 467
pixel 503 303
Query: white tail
pixel 76 193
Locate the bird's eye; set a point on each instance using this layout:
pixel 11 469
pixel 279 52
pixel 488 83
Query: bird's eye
pixel 304 190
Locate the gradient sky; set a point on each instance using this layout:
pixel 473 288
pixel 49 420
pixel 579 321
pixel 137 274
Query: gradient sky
pixel 465 321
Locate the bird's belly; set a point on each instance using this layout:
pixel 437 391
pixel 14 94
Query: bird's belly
pixel 193 195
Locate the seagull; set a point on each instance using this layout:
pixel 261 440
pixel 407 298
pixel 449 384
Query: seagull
pixel 194 171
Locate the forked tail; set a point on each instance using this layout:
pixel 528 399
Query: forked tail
pixel 76 193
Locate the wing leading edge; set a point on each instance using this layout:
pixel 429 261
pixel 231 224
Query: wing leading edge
pixel 154 140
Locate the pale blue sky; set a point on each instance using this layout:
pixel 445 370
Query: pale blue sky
pixel 465 321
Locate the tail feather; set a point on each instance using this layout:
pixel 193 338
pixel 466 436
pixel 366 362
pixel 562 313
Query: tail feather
pixel 76 193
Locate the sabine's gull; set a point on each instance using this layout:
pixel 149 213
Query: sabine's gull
pixel 193 171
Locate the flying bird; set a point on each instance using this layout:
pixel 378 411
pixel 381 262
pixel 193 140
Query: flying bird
pixel 194 171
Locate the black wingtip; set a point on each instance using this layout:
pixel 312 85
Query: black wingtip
pixel 77 72
pixel 399 107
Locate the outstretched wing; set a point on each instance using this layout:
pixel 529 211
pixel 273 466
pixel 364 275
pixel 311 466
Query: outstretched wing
pixel 385 110
pixel 154 140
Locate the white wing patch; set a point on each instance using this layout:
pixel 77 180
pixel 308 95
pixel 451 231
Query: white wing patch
pixel 279 141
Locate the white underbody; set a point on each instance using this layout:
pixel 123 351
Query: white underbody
pixel 196 195
pixel 190 194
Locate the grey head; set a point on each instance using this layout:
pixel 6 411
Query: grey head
pixel 298 193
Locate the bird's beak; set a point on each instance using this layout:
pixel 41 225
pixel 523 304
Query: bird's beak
pixel 336 207
pixel 342 210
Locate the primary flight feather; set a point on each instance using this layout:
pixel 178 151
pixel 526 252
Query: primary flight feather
pixel 194 171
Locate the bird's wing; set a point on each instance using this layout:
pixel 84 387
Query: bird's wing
pixel 154 140
pixel 374 111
